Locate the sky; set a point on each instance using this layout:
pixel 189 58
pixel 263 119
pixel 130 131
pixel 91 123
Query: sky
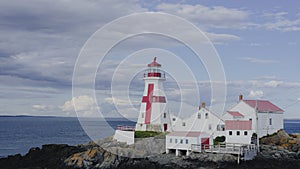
pixel 258 43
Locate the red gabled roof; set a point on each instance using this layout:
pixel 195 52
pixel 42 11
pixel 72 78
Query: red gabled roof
pixel 238 125
pixel 263 105
pixel 154 63
pixel 235 113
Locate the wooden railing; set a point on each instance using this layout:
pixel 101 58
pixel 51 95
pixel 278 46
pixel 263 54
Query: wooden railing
pixel 125 128
pixel 224 148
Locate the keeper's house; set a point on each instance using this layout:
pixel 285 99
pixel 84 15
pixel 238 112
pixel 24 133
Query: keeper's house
pixel 251 116
pixel 180 142
pixel 201 121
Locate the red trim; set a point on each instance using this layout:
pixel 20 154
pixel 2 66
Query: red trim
pixel 149 99
pixel 148 103
pixel 154 75
pixel 238 125
pixel 154 63
pixel 235 113
pixel 263 106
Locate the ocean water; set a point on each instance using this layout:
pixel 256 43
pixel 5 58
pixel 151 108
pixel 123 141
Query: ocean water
pixel 292 126
pixel 19 134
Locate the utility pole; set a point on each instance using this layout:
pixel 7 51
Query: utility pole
pixel 257 137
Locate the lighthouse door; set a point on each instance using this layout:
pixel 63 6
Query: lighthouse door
pixel 165 127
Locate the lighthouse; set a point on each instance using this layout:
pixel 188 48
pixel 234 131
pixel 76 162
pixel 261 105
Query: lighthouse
pixel 152 116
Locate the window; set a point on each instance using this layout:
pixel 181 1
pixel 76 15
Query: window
pixel 220 127
pixel 245 133
pixel 230 133
pixel 181 141
pixel 250 119
pixel 183 123
pixel 199 115
pixel 176 140
pixel 206 115
pixel 209 127
pixel 237 133
pixel 170 140
pixel 165 115
pixel 142 115
pixel 174 119
pixel 186 141
pixel 270 121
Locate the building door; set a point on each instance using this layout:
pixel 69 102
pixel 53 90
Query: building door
pixel 205 143
pixel 165 127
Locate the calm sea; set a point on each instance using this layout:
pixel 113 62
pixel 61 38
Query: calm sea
pixel 19 134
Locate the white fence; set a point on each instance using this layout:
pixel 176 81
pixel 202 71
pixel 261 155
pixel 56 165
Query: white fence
pixel 246 151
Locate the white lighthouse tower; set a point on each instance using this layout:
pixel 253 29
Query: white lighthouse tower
pixel 153 116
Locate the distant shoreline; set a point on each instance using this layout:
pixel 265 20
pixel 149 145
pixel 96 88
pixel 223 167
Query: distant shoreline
pixel 32 116
pixel 131 119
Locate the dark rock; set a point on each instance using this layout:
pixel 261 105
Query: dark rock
pixel 107 155
pixel 49 156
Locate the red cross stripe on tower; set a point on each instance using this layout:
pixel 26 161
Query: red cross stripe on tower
pixel 149 99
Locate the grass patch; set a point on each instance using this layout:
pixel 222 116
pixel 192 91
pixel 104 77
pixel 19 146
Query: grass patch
pixel 145 134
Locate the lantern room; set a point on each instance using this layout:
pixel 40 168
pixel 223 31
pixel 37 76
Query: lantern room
pixel 154 70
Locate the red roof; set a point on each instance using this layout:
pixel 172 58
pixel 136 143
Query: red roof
pixel 235 113
pixel 187 134
pixel 154 63
pixel 238 125
pixel 263 105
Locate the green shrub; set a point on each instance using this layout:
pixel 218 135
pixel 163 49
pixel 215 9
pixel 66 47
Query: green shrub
pixel 219 139
pixel 144 134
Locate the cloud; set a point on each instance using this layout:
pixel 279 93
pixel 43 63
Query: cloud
pixel 85 106
pixel 220 38
pixel 41 107
pixel 279 21
pixel 273 83
pixel 217 16
pixel 255 44
pixel 256 60
pixel 40 40
pixel 256 94
pixel 121 102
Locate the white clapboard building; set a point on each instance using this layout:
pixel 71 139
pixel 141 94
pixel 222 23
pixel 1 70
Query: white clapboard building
pixel 251 116
pixel 181 142
pixel 201 121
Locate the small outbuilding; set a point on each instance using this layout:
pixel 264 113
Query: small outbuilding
pixel 181 142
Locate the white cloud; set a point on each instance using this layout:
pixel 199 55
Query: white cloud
pixel 273 83
pixel 256 94
pixel 41 107
pixel 256 60
pixel 121 102
pixel 255 44
pixel 85 106
pixel 217 16
pixel 220 38
pixel 277 15
pixel 279 21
